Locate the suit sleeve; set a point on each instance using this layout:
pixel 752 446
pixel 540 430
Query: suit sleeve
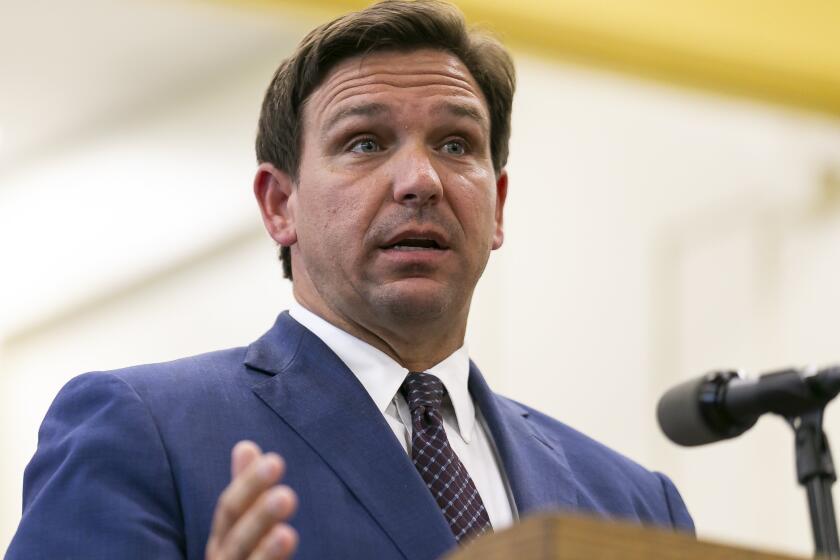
pixel 99 485
pixel 680 518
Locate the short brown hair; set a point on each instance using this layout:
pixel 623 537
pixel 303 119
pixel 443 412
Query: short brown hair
pixel 388 25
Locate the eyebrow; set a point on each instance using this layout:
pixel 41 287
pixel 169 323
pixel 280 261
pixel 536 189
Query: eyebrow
pixel 376 109
pixel 364 110
pixel 461 110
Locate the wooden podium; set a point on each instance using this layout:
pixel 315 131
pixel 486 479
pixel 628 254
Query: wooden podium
pixel 562 537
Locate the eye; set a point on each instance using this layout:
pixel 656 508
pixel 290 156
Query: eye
pixel 455 147
pixel 365 146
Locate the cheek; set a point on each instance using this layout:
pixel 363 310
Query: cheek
pixel 475 206
pixel 336 220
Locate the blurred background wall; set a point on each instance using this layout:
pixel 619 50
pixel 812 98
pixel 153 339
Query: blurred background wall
pixel 674 207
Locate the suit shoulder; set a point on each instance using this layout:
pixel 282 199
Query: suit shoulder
pixel 206 377
pixel 579 447
pixel 608 481
pixel 197 365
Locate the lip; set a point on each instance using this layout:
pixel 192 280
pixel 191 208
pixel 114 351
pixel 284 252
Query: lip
pixel 415 261
pixel 417 233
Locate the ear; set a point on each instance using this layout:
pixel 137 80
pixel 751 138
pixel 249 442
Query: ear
pixel 275 194
pixel 501 196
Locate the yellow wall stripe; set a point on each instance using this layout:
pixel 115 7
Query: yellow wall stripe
pixel 784 51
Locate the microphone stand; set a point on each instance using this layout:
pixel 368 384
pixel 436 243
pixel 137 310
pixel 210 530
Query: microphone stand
pixel 729 406
pixel 815 471
pixel 801 399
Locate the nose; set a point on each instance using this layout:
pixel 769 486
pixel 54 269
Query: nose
pixel 415 179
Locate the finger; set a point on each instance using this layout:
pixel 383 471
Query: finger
pixel 274 506
pixel 242 454
pixel 279 544
pixel 243 490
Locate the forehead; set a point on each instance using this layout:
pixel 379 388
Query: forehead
pixel 422 74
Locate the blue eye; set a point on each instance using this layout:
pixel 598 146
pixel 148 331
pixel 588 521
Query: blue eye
pixel 365 146
pixel 455 148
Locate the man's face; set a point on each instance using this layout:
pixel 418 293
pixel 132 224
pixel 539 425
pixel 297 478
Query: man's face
pixel 397 205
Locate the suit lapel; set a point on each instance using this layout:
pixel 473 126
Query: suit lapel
pixel 536 468
pixel 312 390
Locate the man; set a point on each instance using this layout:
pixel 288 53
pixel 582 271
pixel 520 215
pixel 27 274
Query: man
pixel 382 145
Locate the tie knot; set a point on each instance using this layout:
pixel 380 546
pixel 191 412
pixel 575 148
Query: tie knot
pixel 422 389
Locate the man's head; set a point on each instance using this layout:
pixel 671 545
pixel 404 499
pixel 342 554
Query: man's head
pixel 402 25
pixel 382 144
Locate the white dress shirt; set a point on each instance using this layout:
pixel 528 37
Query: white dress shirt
pixel 382 377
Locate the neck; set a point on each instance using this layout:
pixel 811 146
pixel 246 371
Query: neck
pixel 415 345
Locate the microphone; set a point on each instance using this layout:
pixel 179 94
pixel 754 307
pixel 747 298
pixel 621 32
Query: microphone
pixel 722 405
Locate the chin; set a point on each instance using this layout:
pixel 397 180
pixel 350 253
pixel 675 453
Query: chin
pixel 415 304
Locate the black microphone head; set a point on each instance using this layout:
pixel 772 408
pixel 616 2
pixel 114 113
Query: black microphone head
pixel 680 417
pixel 693 412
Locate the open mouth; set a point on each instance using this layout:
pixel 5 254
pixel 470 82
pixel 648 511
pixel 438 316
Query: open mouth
pixel 415 244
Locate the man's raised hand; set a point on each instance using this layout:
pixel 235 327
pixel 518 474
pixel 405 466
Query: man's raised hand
pixel 251 514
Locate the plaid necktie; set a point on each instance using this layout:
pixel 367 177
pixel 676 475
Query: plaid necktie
pixel 443 472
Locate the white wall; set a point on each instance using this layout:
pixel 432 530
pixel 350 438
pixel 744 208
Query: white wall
pixel 140 242
pixel 655 235
pixel 652 234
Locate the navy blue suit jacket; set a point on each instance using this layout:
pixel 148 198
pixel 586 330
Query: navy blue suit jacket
pixel 130 463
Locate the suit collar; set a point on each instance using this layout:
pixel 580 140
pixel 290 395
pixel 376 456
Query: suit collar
pixel 379 374
pixel 382 376
pixel 344 426
pixel 536 467
pixel 299 366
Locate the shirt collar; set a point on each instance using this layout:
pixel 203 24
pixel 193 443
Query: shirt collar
pixel 382 377
pixel 454 373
